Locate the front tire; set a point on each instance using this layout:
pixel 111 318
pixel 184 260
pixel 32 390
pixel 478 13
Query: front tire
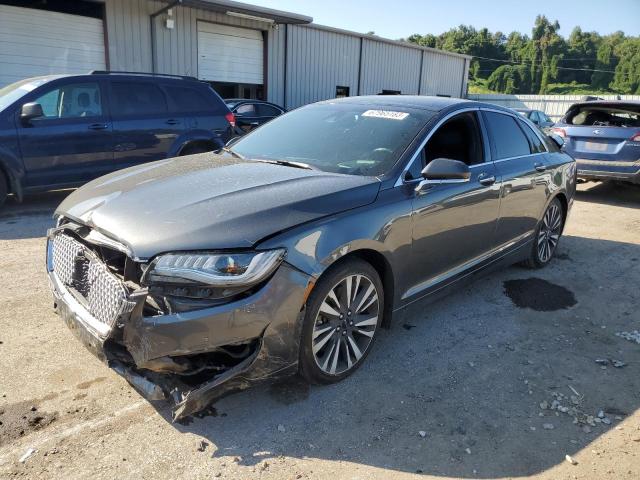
pixel 343 315
pixel 547 236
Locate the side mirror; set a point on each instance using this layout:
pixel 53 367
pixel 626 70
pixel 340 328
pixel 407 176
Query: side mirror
pixel 444 170
pixel 557 139
pixel 30 111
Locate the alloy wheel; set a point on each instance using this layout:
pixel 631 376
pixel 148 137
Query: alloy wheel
pixel 549 232
pixel 345 324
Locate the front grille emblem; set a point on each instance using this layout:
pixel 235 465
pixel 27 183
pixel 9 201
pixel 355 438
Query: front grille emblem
pixel 597 132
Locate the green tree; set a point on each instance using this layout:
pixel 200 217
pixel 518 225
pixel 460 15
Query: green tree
pixel 626 80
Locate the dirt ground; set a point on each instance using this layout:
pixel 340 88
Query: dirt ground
pixel 502 379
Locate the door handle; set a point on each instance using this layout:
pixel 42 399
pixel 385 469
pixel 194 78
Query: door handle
pixel 172 121
pixel 486 180
pixel 540 167
pixel 98 126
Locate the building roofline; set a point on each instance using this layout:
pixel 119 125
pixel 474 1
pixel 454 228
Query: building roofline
pixel 376 38
pixel 224 6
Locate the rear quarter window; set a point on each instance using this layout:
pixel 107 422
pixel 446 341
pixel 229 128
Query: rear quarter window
pixel 192 99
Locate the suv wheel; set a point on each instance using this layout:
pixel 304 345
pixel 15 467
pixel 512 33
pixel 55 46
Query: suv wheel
pixel 342 317
pixel 547 236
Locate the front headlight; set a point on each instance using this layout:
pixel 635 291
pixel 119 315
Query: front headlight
pixel 215 270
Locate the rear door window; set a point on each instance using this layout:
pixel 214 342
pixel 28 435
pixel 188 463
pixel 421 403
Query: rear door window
pixel 137 98
pixel 508 139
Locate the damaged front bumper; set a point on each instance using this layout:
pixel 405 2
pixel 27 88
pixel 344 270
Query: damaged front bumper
pixel 193 358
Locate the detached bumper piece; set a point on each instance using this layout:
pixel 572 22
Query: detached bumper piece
pixel 191 358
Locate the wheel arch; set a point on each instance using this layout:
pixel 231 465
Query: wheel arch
pixel 564 203
pixel 383 267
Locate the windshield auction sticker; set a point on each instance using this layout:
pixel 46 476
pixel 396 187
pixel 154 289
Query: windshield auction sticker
pixel 386 114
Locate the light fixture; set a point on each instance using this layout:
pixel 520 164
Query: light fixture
pixel 250 17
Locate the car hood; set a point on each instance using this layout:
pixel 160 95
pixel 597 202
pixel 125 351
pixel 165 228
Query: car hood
pixel 210 201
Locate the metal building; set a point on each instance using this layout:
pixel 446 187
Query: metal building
pixel 243 50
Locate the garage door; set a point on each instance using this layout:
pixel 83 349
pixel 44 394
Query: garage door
pixel 229 54
pixel 38 42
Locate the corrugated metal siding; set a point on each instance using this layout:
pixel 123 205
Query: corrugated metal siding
pixel 275 64
pixel 317 62
pixel 442 75
pixel 128 31
pixel 389 67
pixel 553 105
pixel 318 59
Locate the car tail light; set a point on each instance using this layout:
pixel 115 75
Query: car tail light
pixel 231 118
pixel 635 138
pixel 561 132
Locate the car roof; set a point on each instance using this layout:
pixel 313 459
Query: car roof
pixel 419 102
pixel 524 109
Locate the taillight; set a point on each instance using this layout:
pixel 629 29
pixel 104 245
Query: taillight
pixel 231 118
pixel 635 138
pixel 560 132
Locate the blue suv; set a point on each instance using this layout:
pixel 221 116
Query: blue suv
pixel 60 131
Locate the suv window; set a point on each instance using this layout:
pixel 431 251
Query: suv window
pixel 267 110
pixel 137 98
pixel 187 99
pixel 508 138
pixel 72 101
pixel 536 144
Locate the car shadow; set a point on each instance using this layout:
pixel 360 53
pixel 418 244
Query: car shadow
pixel 32 217
pixel 463 387
pixel 609 193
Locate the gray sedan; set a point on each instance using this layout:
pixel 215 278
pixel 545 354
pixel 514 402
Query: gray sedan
pixel 288 250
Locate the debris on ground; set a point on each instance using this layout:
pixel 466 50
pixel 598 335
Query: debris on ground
pixel 202 446
pixel 281 428
pixel 548 426
pixel 633 336
pixel 618 364
pixel 422 433
pixel 27 454
pixel 571 460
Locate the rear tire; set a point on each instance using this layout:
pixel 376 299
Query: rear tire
pixel 547 236
pixel 3 189
pixel 342 316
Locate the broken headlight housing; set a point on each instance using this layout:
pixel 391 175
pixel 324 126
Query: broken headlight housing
pixel 210 275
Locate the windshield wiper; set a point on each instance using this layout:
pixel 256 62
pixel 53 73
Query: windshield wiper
pixel 235 154
pixel 288 163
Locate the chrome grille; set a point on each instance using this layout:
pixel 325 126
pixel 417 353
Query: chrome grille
pixel 78 268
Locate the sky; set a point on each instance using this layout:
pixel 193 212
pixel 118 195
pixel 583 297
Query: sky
pixel 400 18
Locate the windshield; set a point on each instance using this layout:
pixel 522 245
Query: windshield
pixel 337 137
pixel 15 91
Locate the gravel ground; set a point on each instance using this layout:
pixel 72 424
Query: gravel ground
pixel 505 378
